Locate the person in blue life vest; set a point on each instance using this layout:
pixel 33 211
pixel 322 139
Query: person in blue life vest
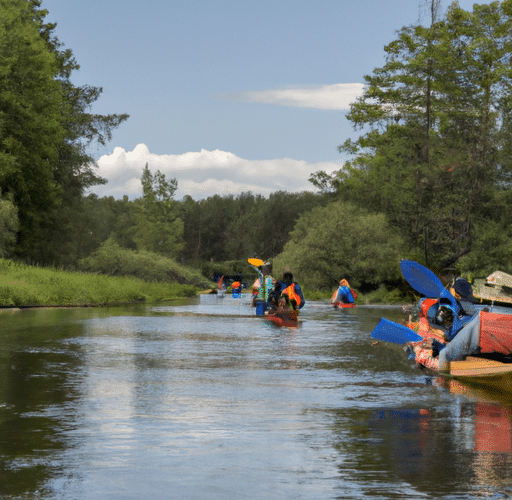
pixel 465 340
pixel 289 290
pixel 344 293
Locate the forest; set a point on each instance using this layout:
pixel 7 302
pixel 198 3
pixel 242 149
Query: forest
pixel 428 179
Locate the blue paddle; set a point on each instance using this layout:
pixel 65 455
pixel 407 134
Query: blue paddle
pixel 394 332
pixel 424 281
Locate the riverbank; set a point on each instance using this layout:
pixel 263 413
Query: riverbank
pixel 29 286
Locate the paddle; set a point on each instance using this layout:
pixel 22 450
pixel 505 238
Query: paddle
pixel 393 332
pixel 424 281
pixel 255 262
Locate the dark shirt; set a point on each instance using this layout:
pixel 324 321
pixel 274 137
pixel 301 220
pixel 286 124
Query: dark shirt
pixel 282 285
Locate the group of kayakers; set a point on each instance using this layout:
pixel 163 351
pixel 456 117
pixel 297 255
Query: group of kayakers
pixel 286 294
pixel 272 296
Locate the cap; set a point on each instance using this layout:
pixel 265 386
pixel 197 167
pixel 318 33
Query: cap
pixel 464 289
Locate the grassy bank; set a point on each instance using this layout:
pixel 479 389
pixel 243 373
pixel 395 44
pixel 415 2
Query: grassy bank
pixel 22 285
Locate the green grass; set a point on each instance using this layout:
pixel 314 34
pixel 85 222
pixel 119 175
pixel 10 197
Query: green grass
pixel 22 285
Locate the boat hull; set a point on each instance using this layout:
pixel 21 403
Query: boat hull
pixel 287 319
pixel 341 305
pixel 493 375
pixel 478 370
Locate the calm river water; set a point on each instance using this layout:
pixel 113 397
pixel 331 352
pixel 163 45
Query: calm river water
pixel 204 400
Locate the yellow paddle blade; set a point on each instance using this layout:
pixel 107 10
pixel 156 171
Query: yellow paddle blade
pixel 255 262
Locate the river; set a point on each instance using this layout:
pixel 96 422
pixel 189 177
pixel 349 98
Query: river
pixel 204 400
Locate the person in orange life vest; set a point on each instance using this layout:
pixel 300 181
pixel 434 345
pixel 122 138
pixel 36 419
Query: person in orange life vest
pixel 236 288
pixel 286 287
pixel 344 294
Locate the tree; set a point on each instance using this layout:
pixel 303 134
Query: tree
pixel 8 226
pixel 45 129
pixel 436 117
pixel 158 227
pixel 342 241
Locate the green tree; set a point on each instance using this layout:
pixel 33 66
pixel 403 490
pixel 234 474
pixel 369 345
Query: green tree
pixel 217 213
pixel 158 228
pixel 436 116
pixel 8 226
pixel 342 241
pixel 45 129
pixel 190 213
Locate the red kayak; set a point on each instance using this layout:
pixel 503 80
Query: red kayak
pixel 342 305
pixel 284 318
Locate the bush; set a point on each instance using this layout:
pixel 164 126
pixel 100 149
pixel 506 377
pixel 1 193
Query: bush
pixel 112 260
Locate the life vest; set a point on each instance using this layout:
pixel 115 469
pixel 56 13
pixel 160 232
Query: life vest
pixel 292 295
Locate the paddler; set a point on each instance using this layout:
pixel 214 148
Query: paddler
pixel 344 294
pixel 290 290
pixel 263 285
pixel 466 340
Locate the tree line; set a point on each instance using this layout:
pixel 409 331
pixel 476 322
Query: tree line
pixel 429 178
pixel 435 155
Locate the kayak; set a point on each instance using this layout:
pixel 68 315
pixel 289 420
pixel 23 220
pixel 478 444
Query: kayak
pixel 493 373
pixel 342 305
pixel 491 366
pixel 285 318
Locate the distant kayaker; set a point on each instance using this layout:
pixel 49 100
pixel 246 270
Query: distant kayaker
pixel 344 294
pixel 289 290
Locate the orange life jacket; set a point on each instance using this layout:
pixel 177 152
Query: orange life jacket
pixel 290 291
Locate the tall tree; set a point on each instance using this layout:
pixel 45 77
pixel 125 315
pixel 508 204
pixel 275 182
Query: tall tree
pixel 45 129
pixel 434 114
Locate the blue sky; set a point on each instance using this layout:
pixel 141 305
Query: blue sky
pixel 227 96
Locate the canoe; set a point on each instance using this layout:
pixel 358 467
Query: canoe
pixel 482 371
pixel 288 319
pixel 478 369
pixel 342 305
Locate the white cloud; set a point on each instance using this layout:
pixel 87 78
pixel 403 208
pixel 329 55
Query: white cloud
pixel 205 173
pixel 338 96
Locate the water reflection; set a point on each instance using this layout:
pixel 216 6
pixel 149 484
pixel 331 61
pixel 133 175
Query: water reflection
pixel 36 392
pixel 432 452
pixel 204 400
